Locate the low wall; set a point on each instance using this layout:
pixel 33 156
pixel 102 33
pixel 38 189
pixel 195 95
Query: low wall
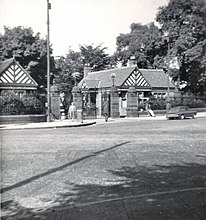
pixel 21 119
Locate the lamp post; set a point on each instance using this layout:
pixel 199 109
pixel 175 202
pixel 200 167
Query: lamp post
pixel 136 73
pixel 113 75
pixel 48 66
pixel 168 77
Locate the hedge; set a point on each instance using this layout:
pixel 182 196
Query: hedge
pixel 14 103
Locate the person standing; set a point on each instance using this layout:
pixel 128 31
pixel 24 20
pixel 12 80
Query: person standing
pixel 72 111
pixel 149 111
pixel 106 110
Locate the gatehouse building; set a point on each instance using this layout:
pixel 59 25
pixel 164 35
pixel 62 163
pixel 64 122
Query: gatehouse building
pixel 142 82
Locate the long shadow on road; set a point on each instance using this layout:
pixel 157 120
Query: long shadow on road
pixel 29 180
pixel 158 192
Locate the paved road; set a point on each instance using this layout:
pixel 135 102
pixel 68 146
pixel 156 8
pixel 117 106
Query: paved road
pixel 148 169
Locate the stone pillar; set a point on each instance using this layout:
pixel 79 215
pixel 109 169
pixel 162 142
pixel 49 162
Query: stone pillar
pixel 132 108
pixel 87 70
pixel 77 100
pixel 114 103
pixel 99 104
pixel 55 102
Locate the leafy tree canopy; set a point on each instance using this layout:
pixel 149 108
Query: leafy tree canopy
pixel 96 57
pixel 185 22
pixel 142 42
pixel 74 62
pixel 28 49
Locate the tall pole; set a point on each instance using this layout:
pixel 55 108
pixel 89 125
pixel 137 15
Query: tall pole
pixel 137 93
pixel 48 67
pixel 168 78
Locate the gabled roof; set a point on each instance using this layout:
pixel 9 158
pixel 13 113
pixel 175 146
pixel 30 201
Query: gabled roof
pixel 125 77
pixel 156 78
pixel 5 64
pixel 14 76
pixel 90 84
pixel 104 76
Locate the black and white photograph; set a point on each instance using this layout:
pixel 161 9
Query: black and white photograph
pixel 103 109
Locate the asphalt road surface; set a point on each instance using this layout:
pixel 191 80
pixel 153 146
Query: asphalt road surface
pixel 148 169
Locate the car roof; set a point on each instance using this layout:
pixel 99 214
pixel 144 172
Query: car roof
pixel 176 108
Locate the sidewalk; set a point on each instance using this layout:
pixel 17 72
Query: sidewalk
pixel 76 123
pixel 179 204
pixel 48 125
pixel 175 205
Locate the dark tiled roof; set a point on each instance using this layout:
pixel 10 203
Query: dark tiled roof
pixel 155 77
pixel 105 76
pixel 90 84
pixel 5 64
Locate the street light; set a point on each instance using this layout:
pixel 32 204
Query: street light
pixel 113 75
pixel 48 66
pixel 136 73
pixel 166 35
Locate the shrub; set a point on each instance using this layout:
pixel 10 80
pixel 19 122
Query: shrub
pixel 13 103
pixel 32 105
pixel 197 103
pixel 157 104
pixel 10 104
pixel 192 103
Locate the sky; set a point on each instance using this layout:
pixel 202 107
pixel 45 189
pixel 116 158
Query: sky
pixel 79 22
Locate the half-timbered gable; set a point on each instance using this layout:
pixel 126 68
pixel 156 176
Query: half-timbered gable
pixel 136 79
pixel 14 76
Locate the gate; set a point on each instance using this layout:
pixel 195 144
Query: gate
pixel 89 108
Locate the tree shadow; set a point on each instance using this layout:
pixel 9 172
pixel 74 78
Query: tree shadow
pixel 132 181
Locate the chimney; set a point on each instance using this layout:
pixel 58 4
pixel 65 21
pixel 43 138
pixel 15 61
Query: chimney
pixel 87 69
pixel 131 61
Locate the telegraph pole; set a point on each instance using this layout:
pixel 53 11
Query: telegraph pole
pixel 168 77
pixel 48 66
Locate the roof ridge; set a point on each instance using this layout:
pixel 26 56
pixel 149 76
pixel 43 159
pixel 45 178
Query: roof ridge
pixel 7 60
pixel 152 69
pixel 118 68
pixel 5 64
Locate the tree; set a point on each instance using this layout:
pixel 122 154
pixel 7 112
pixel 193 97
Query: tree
pixel 74 62
pixel 96 57
pixel 142 43
pixel 65 67
pixel 185 21
pixel 28 49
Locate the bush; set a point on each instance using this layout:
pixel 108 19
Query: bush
pixel 192 103
pixel 197 103
pixel 32 105
pixel 158 104
pixel 12 103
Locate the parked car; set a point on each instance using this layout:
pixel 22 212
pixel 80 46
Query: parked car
pixel 180 112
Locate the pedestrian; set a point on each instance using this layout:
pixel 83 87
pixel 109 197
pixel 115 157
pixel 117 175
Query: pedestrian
pixel 72 111
pixel 149 111
pixel 106 110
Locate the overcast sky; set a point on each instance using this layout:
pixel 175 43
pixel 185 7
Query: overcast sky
pixel 79 22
